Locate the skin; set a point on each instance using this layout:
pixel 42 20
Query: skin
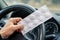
pixel 10 27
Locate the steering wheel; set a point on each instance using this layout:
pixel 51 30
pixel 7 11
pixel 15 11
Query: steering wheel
pixel 22 11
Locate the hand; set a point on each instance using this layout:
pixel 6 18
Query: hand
pixel 10 27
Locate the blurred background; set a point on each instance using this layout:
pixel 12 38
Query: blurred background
pixel 53 5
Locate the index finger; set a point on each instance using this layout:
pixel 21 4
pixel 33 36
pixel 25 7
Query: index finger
pixel 15 20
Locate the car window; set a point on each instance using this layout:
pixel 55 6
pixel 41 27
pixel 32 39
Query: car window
pixel 54 5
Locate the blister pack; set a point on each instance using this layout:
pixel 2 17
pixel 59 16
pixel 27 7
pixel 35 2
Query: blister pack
pixel 36 18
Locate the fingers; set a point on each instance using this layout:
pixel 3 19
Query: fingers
pixel 15 20
pixel 18 27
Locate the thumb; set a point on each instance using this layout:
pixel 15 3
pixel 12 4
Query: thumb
pixel 16 27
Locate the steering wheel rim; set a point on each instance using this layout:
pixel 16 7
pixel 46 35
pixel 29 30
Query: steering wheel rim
pixel 8 9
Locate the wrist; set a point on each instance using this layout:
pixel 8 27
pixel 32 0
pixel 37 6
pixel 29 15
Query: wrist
pixel 2 34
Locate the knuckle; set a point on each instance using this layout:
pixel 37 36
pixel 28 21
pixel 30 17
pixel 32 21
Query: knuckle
pixel 10 19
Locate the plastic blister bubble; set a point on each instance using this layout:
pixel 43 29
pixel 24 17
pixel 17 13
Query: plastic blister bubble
pixel 35 19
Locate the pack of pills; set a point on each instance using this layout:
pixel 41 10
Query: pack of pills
pixel 36 18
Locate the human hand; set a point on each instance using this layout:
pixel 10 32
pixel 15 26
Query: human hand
pixel 10 27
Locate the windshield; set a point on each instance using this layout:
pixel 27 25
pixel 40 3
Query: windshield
pixel 54 5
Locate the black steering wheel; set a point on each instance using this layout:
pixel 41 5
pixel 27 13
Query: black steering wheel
pixel 20 11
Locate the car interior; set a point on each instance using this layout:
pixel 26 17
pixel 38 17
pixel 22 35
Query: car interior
pixel 49 30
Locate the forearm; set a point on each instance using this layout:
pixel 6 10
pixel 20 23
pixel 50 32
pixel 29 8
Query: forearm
pixel 0 36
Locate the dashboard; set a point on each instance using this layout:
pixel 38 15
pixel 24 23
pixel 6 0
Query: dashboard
pixel 52 26
pixel 52 29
